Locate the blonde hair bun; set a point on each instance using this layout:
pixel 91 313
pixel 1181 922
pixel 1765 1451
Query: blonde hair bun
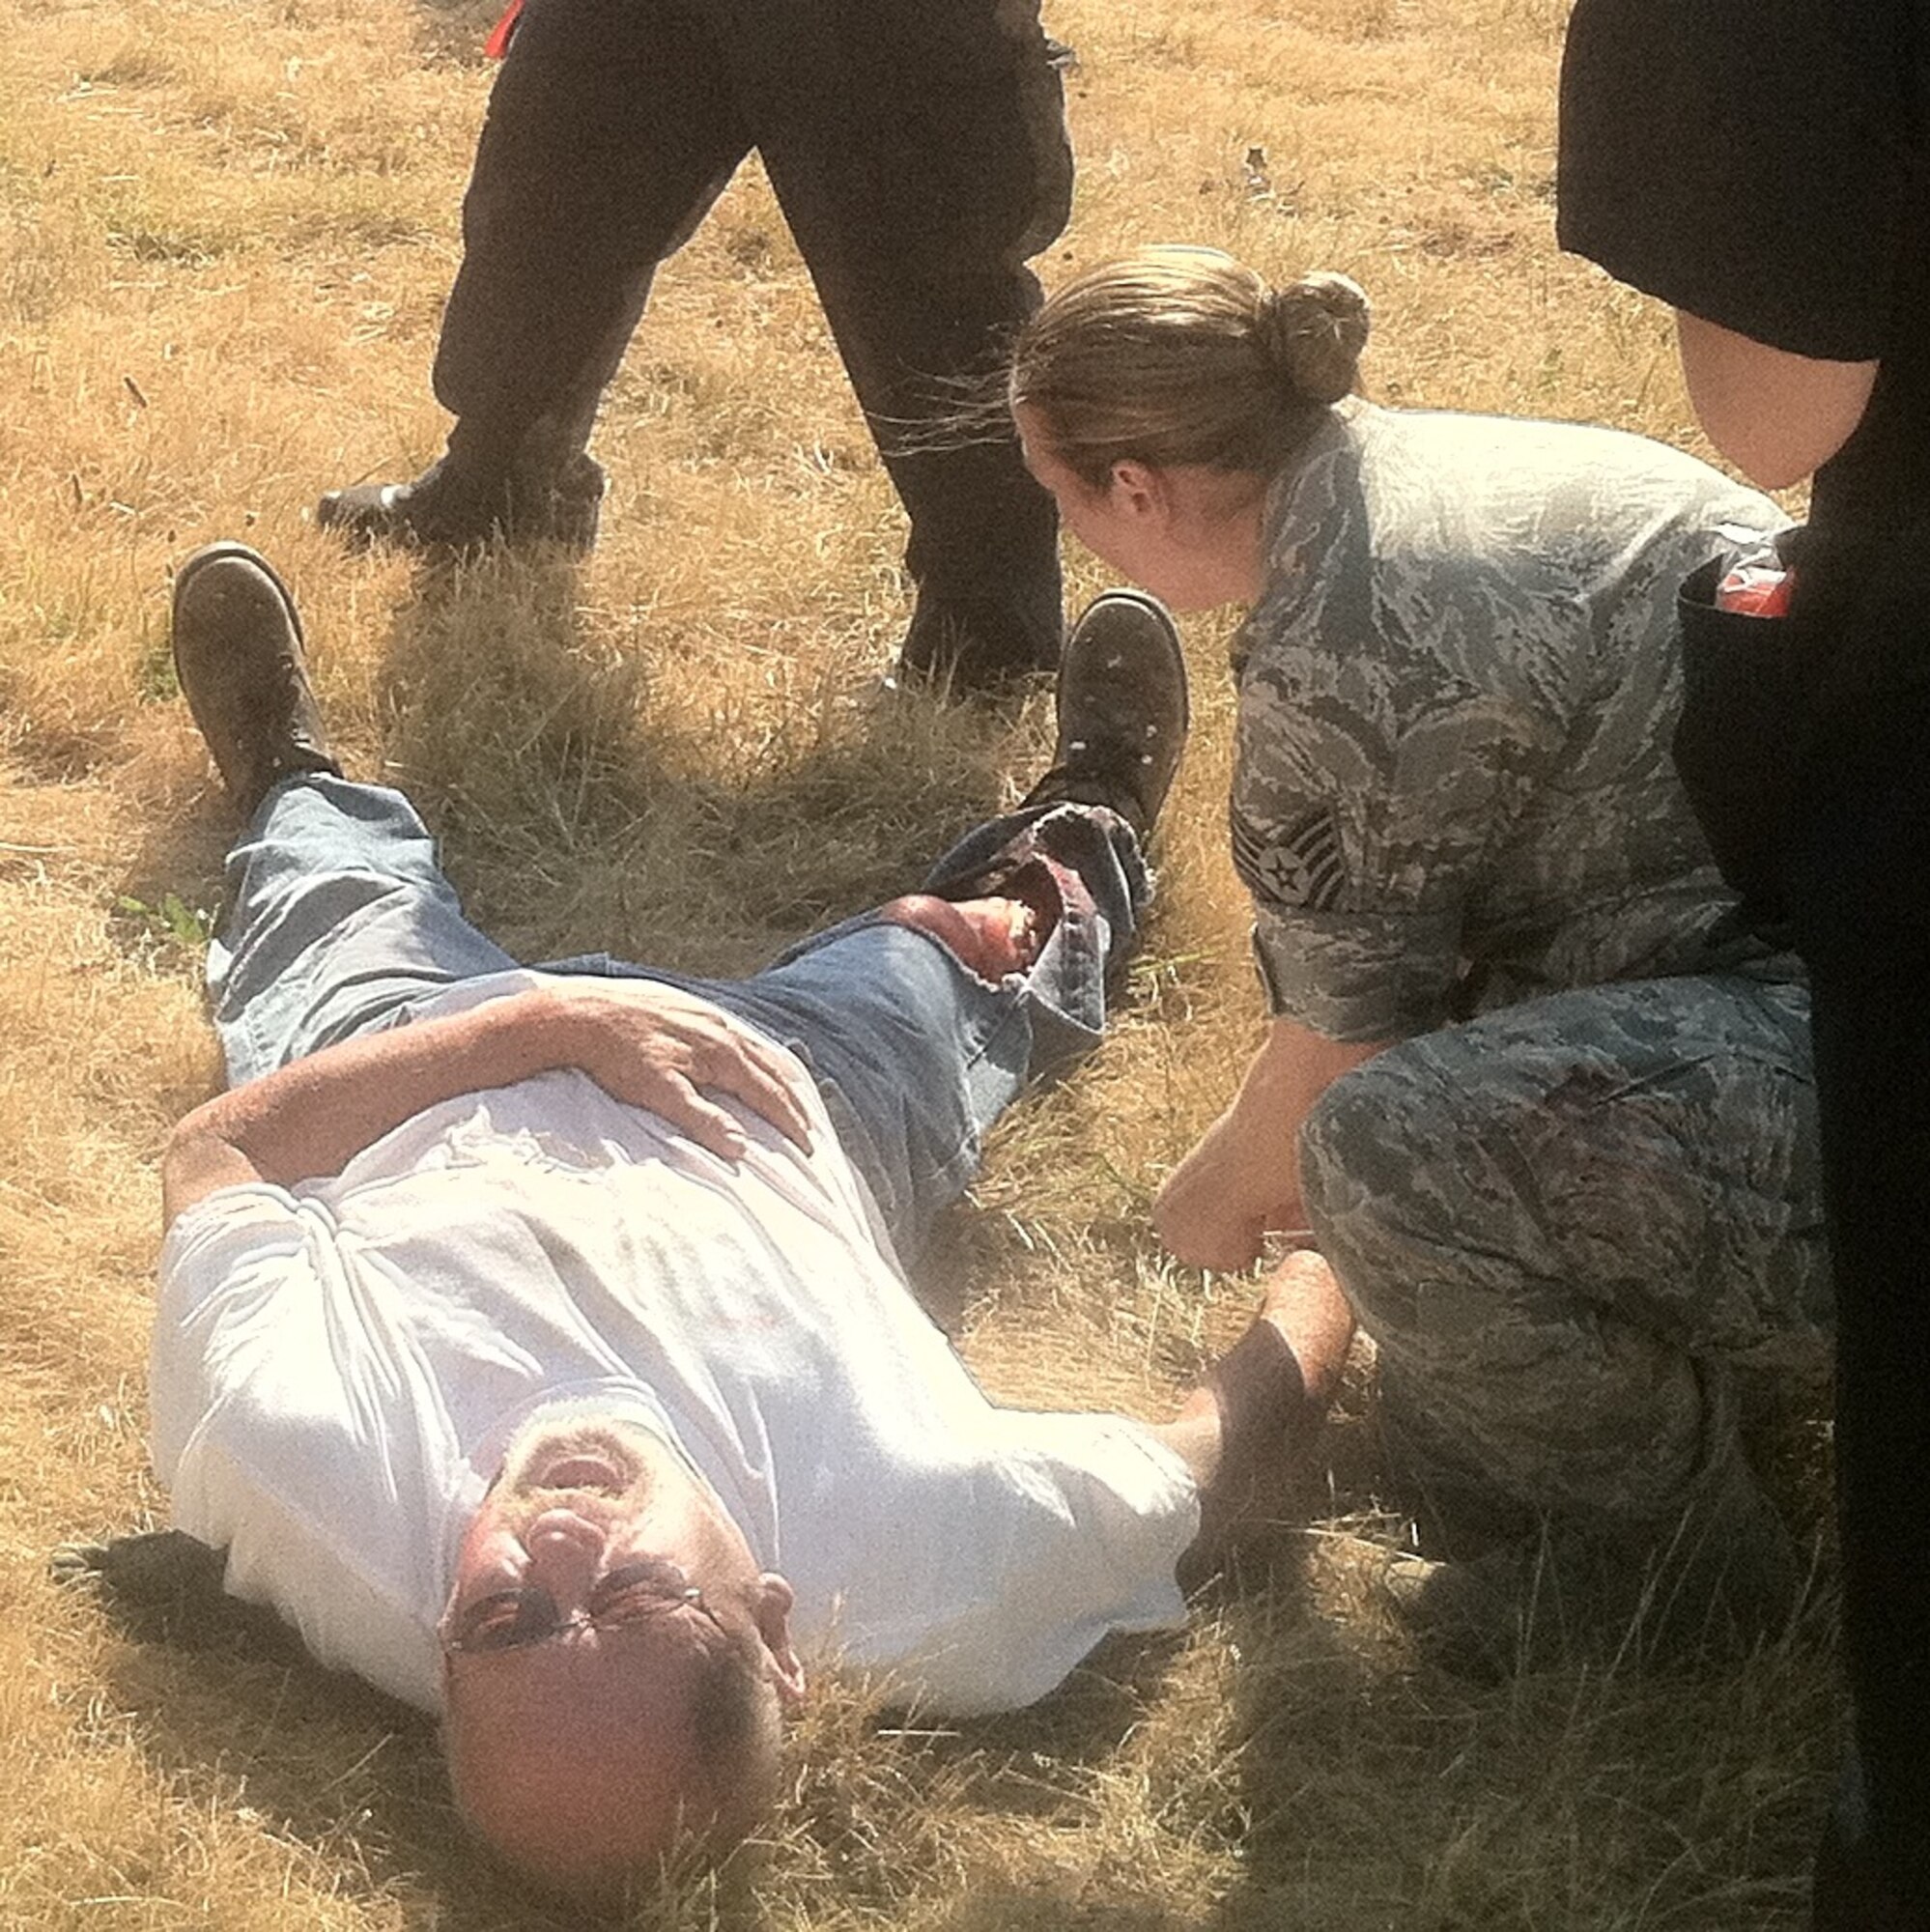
pixel 1315 331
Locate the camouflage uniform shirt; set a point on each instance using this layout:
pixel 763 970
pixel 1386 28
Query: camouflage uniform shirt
pixel 1452 787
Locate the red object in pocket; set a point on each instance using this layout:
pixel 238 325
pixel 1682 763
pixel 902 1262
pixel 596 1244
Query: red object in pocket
pixel 505 31
pixel 1757 586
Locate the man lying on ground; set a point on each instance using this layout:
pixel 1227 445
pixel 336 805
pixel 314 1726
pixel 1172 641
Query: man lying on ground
pixel 535 1342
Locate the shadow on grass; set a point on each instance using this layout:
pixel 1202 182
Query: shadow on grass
pixel 591 792
pixel 599 790
pixel 1386 1793
pixel 1338 1780
pixel 231 1711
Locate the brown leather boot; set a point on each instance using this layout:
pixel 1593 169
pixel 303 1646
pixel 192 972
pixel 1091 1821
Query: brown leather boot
pixel 1123 710
pixel 237 656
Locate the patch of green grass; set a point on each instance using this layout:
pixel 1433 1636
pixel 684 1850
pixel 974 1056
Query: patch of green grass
pixel 170 919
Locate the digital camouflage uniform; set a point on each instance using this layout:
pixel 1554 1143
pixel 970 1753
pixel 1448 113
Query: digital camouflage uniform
pixel 1584 1186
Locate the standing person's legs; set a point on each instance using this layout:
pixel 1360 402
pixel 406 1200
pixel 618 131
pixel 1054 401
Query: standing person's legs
pixel 611 129
pixel 921 155
pixel 338 917
pixel 1827 824
pixel 1564 1225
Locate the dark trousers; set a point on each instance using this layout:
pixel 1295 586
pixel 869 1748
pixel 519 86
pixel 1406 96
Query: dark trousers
pixel 1859 899
pixel 1806 748
pixel 918 150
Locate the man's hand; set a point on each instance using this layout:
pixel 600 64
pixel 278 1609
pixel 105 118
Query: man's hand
pixel 656 1047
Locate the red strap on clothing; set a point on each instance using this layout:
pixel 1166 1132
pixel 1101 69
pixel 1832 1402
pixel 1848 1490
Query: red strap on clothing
pixel 505 31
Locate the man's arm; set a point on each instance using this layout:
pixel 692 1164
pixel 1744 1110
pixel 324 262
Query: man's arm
pixel 1241 1181
pixel 1749 162
pixel 1778 417
pixel 650 1045
pixel 1244 1432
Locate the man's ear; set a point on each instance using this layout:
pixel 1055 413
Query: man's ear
pixel 774 1598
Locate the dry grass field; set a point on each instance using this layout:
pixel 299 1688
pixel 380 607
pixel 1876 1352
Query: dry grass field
pixel 225 235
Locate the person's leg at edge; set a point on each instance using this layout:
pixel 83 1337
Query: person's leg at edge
pixel 918 236
pixel 1863 927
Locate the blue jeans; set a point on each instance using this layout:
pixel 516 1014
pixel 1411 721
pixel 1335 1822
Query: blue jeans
pixel 341 923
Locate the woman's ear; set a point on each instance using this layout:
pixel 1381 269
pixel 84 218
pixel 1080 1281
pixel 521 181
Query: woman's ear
pixel 1138 489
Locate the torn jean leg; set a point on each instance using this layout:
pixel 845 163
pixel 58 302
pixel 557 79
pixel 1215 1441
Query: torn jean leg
pixel 915 1054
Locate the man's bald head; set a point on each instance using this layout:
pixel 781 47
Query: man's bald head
pixel 584 1767
pixel 613 1660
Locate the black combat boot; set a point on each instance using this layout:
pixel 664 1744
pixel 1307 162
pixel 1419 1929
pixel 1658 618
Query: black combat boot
pixel 550 489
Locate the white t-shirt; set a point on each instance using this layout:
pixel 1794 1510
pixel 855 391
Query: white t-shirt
pixel 337 1368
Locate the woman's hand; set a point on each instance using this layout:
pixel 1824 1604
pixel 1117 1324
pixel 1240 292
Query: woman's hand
pixel 660 1048
pixel 1241 1182
pixel 1236 1185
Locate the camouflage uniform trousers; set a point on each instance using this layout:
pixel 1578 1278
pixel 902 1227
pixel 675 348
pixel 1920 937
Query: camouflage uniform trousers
pixel 1568 1224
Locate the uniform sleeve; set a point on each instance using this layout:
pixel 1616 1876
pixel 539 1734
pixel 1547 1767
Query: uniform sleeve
pixel 1744 160
pixel 1364 809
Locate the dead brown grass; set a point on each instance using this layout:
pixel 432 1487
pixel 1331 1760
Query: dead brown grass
pixel 225 234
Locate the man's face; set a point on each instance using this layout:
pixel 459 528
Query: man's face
pixel 599 1591
pixel 577 1503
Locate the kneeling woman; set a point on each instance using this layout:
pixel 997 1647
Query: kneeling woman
pixel 1550 1120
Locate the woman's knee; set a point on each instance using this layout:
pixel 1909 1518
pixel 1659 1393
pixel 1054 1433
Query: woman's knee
pixel 1375 1138
pixel 1418 1190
